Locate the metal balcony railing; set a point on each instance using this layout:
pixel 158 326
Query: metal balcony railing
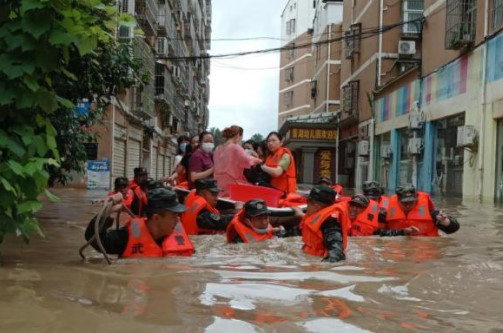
pixel 146 14
pixel 460 23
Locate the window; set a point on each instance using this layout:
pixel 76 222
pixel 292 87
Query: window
pixel 460 23
pixel 314 89
pixel 288 99
pixel 352 40
pixel 291 52
pixel 497 14
pixel 292 26
pixel 289 74
pixel 350 94
pixel 412 11
pixel 288 28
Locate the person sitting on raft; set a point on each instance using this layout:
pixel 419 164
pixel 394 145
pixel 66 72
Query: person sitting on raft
pixel 251 224
pixel 202 217
pixel 280 165
pixel 325 225
pixel 159 234
pixel 409 208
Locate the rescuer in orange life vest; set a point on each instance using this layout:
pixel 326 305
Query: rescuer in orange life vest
pixel 411 208
pixel 328 182
pixel 201 216
pixel 363 216
pixel 138 186
pixel 159 234
pixel 121 184
pixel 325 224
pixel 251 224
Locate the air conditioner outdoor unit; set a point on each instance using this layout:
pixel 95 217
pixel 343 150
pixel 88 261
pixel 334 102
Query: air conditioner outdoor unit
pixel 467 136
pixel 406 47
pixel 415 121
pixel 162 47
pixel 386 151
pixel 363 148
pixel 125 32
pixel 415 146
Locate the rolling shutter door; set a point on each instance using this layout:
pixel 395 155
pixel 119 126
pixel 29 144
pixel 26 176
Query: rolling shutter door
pixel 160 166
pixel 119 153
pixel 167 164
pixel 133 151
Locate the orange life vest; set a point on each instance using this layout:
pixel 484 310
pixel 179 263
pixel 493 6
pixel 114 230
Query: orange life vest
pixel 366 222
pixel 195 204
pixel 141 244
pixel 127 200
pixel 419 216
pixel 312 236
pixel 287 181
pixel 247 234
pixel 133 185
pixel 292 200
pixel 338 188
pixel 383 205
pixel 181 176
pixel 142 200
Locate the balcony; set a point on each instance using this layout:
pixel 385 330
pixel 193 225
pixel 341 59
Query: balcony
pixel 146 15
pixel 460 24
pixel 350 100
pixel 142 101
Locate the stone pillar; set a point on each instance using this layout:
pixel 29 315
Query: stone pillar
pixel 308 157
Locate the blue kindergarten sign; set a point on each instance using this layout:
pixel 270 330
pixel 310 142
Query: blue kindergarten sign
pixel 98 174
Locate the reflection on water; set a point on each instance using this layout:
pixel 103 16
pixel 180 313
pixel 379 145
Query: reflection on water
pixel 386 285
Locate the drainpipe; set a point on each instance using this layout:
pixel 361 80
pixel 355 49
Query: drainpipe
pixel 379 65
pixel 480 162
pixel 328 67
pixel 112 143
pixel 337 149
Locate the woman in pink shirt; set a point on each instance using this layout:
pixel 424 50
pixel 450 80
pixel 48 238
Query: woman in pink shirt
pixel 230 159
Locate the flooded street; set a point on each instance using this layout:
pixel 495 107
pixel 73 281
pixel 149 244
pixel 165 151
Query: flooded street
pixel 447 284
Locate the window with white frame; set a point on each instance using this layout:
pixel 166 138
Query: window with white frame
pixel 292 26
pixel 412 13
pixel 288 28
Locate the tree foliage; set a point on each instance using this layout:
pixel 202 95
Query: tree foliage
pixel 217 135
pixel 257 137
pixel 49 54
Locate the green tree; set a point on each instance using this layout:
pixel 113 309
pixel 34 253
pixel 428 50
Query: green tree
pixel 43 44
pixel 257 137
pixel 217 135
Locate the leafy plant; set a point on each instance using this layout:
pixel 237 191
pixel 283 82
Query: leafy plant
pixel 53 52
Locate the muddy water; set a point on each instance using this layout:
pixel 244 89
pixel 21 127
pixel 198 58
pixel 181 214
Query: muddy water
pixel 447 284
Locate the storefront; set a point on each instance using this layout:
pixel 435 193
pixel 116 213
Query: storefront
pixel 499 162
pixel 449 159
pixel 313 145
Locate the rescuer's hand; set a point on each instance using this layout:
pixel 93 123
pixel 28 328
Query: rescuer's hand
pixel 443 219
pixel 297 212
pixel 410 231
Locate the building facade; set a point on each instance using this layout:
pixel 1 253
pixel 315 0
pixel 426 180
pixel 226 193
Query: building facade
pixel 309 86
pixel 432 95
pixel 142 124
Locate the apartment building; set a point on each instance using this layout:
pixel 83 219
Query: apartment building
pixel 426 95
pixel 309 86
pixel 142 124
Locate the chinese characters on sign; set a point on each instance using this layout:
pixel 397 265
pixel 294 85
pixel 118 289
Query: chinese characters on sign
pixel 325 163
pixel 313 134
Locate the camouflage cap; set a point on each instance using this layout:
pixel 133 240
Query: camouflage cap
pixel 256 207
pixel 323 194
pixel 406 193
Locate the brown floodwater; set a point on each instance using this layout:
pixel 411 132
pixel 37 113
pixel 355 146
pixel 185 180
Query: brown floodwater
pixel 445 284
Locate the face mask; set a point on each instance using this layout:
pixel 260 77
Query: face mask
pixel 249 151
pixel 208 147
pixel 183 147
pixel 261 231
